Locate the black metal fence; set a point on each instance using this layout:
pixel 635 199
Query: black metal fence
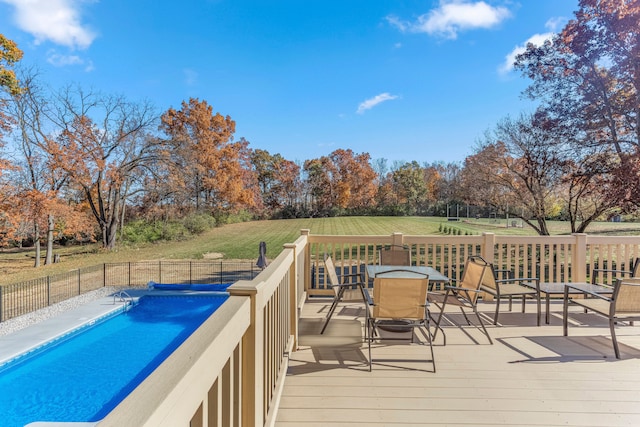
pixel 24 297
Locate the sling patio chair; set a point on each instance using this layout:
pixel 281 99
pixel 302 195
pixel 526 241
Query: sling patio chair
pixel 395 255
pixel 622 305
pixel 463 294
pixel 399 299
pixel 524 287
pixel 350 289
pixel 634 271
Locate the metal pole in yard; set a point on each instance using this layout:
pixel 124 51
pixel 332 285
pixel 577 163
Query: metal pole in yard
pixel 48 290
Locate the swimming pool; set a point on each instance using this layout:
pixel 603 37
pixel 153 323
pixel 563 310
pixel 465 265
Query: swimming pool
pixel 85 375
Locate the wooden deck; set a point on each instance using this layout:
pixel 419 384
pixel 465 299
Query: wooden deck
pixel 530 376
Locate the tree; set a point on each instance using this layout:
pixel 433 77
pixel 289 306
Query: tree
pixel 410 187
pixel 517 170
pixel 39 181
pixel 213 170
pixel 106 147
pixel 342 180
pixel 278 180
pixel 9 56
pixel 588 80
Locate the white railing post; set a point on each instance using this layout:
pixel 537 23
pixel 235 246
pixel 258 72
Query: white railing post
pixel 579 261
pixel 488 246
pixel 293 294
pixel 397 239
pixel 252 358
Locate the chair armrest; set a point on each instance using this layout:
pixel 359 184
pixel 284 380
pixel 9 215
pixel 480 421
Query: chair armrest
pixel 367 295
pixel 459 288
pixel 504 270
pixel 583 291
pixel 360 275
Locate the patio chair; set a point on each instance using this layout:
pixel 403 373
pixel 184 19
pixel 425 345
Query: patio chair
pixel 395 255
pixel 634 271
pixel 464 294
pixel 622 305
pixel 524 287
pixel 401 300
pixel 345 290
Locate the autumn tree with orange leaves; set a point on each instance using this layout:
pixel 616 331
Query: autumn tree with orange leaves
pixel 279 182
pixel 107 147
pixel 341 181
pixel 209 169
pixel 9 85
pixel 588 81
pixel 43 205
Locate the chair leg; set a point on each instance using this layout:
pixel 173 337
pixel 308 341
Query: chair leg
pixel 370 327
pixel 565 315
pixel 495 317
pixel 334 304
pixel 433 359
pixel 612 324
pixel 475 310
pixel 465 316
pixel 444 304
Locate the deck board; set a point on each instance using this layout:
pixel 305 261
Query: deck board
pixel 530 376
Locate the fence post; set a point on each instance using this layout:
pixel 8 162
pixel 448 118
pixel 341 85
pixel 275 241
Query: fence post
pixel 104 275
pixel 129 280
pixel 48 290
pixel 293 293
pixel 579 262
pixel 253 387
pixel 397 239
pixel 488 247
pixel 190 275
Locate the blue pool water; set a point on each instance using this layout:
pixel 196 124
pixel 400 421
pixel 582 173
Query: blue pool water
pixel 85 376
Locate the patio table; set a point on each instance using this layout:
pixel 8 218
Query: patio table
pixel 405 271
pixel 557 288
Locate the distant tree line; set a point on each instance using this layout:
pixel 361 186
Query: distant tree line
pixel 78 165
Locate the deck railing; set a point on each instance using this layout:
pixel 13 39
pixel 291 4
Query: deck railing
pixel 551 258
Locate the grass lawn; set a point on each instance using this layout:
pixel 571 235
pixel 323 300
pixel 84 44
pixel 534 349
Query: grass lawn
pixel 240 241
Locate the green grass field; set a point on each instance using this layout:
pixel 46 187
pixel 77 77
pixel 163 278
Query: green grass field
pixel 240 241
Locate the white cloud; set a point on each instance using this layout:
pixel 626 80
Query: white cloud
pixel 372 102
pixel 553 25
pixel 60 60
pixel 190 76
pixel 453 16
pixel 54 20
pixel 510 59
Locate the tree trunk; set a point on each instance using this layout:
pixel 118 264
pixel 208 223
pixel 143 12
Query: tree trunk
pixel 36 242
pixel 49 257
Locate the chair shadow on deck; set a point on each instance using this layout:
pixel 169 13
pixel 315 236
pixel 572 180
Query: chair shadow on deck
pixel 560 349
pixel 339 347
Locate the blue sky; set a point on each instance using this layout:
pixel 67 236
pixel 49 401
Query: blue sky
pixel 402 80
